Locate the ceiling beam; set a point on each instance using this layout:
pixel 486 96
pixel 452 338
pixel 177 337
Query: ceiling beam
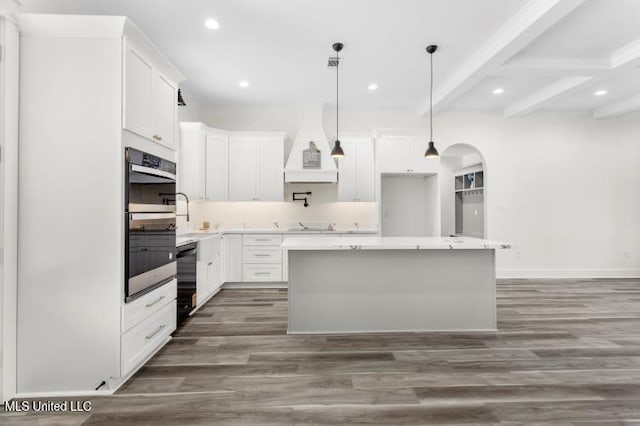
pixel 538 99
pixel 534 19
pixel 626 57
pixel 556 65
pixel 618 108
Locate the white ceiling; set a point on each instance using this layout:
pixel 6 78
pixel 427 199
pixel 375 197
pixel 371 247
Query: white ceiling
pixel 546 54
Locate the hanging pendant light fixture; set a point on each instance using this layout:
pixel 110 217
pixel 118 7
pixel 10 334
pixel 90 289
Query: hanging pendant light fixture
pixel 337 151
pixel 432 152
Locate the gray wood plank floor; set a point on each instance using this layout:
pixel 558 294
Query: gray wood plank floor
pixel 567 352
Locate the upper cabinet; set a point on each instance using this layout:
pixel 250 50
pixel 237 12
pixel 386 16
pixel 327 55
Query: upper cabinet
pixel 150 92
pixel 217 165
pixel 404 154
pixel 256 167
pixel 191 168
pixel 356 169
pixel 202 162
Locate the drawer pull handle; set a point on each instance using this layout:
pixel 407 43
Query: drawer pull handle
pixel 157 137
pixel 262 255
pixel 261 239
pixel 158 330
pixel 148 305
pixel 210 263
pixel 263 273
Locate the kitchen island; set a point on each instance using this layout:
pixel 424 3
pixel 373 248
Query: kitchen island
pixel 391 284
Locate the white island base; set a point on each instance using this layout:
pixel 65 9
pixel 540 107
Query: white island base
pixel 391 285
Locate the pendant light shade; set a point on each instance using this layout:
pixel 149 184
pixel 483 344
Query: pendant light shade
pixel 432 152
pixel 337 151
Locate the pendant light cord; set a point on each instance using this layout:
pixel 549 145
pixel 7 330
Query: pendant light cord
pixel 431 101
pixel 337 93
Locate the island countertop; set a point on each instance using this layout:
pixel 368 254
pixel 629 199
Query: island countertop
pixel 392 243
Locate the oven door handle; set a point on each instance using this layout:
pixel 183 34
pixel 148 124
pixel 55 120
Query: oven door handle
pixel 152 216
pixel 153 172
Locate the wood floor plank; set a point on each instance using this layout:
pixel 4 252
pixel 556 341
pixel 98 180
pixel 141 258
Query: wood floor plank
pixel 567 352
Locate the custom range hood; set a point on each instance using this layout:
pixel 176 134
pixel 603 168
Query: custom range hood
pixel 310 159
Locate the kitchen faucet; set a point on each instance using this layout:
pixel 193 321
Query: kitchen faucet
pixel 166 201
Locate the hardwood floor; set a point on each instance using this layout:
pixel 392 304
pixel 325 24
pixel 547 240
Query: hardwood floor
pixel 567 352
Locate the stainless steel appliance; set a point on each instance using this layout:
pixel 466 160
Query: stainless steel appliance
pixel 150 235
pixel 187 256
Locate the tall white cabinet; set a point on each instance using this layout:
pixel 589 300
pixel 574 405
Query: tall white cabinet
pixel 112 88
pixel 356 169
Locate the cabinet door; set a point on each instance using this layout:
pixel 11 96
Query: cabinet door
pixel 165 112
pixel 232 258
pixel 420 163
pixel 394 154
pixel 243 169
pixel 191 160
pixel 270 170
pixel 138 94
pixel 365 174
pixel 216 166
pixel 347 172
pixel 202 282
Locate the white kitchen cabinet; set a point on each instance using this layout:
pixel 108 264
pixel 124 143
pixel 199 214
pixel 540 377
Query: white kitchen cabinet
pixel 217 166
pixel 404 154
pixel 256 164
pixel 150 98
pixel 243 169
pixel 232 258
pixel 356 170
pixel 192 157
pixel 261 257
pixel 208 268
pixel 76 313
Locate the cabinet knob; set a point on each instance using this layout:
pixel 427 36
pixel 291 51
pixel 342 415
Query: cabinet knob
pixel 157 137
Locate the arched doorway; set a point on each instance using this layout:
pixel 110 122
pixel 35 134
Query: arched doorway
pixel 463 191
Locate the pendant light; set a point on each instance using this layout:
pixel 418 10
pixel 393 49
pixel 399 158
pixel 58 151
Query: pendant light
pixel 337 151
pixel 181 101
pixel 432 152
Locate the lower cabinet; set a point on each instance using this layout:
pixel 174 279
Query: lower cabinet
pixel 232 256
pixel 261 258
pixel 208 268
pixel 147 323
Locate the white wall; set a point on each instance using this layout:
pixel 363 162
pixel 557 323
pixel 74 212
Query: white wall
pixel 563 188
pixel 8 205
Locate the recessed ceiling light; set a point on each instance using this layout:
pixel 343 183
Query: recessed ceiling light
pixel 372 87
pixel 243 84
pixel 212 24
pixel 600 92
pixel 498 91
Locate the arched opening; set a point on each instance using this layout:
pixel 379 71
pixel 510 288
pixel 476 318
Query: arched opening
pixel 463 191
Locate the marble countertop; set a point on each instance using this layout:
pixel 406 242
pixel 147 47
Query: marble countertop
pixel 392 243
pixel 194 236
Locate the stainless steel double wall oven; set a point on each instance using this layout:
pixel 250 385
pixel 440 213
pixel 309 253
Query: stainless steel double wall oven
pixel 150 215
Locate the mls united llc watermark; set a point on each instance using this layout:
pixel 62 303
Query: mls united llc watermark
pixel 37 406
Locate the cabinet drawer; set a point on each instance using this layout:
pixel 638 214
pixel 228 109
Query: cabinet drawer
pixel 146 337
pixel 261 254
pixel 261 240
pixel 136 311
pixel 264 272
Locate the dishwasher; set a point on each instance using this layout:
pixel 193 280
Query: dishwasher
pixel 187 256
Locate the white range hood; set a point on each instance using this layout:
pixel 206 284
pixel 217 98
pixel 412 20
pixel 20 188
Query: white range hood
pixel 311 131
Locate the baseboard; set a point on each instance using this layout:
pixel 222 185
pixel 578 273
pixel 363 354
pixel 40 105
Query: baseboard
pixel 567 273
pixel 255 285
